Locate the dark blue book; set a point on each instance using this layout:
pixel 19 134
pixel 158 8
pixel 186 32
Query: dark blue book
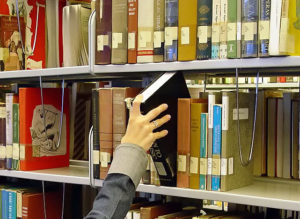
pixel 264 28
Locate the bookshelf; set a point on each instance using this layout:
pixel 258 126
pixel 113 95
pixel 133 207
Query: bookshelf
pixel 275 193
pixel 246 86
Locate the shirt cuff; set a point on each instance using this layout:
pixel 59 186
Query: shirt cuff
pixel 130 160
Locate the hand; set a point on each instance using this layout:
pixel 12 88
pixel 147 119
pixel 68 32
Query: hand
pixel 140 127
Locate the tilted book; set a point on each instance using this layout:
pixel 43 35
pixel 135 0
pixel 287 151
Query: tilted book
pixel 166 89
pixel 44 136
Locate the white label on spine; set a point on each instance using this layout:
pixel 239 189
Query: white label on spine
pixel 144 38
pixel 116 40
pixel 96 156
pixel 16 151
pixel 185 35
pixel 231 31
pixel 209 166
pixel 104 159
pixel 194 165
pixel 158 38
pixel 264 30
pixel 101 9
pixel 243 114
pixel 202 34
pixel 211 102
pixel 181 160
pixel 230 166
pixel 203 166
pixel 215 33
pixel 223 51
pixel 22 152
pixel 131 40
pixel 170 35
pixel 2 152
pixel 216 166
pixel 225 112
pixel 238 31
pixel 160 168
pixel 9 151
pixel 223 166
pixel 249 29
pixel 100 42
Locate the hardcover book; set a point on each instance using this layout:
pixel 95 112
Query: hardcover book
pixel 234 19
pixel 264 27
pixel 2 135
pixel 275 18
pixel 293 40
pixel 159 30
pixel 132 30
pixel 16 139
pixel 44 134
pixel 103 31
pixel 171 30
pixel 203 150
pixel 166 89
pixel 215 37
pixel 96 133
pixel 223 29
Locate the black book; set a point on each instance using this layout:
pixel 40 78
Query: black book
pixel 165 89
pixel 96 142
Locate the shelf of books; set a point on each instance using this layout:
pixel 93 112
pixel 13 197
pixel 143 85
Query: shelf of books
pixel 246 86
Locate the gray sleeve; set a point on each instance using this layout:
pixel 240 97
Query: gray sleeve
pixel 130 160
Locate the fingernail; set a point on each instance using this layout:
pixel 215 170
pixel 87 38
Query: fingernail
pixel 169 116
pixel 165 106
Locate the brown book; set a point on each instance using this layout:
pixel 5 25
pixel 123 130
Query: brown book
pixel 119 32
pixel 272 107
pixel 132 30
pixel 120 115
pixel 103 31
pixel 159 33
pixel 106 129
pixel 295 140
pixel 187 32
pixel 157 210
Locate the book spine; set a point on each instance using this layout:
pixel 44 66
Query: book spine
pixel 204 29
pixel 287 122
pixel 203 151
pixel 249 28
pixel 232 29
pixel 223 29
pixel 16 142
pixel 103 31
pixel 187 27
pixel 217 141
pixel 239 29
pixel 145 31
pixel 215 38
pixel 10 204
pixel 2 137
pixel 284 27
pixel 171 30
pixel 9 130
pixel 264 27
pixel 96 143
pixel 132 30
pixel 211 102
pixel 275 18
pixel 159 30
pixel 4 204
pixel 224 151
pixel 119 32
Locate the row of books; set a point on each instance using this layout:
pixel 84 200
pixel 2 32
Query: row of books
pixel 34 135
pixel 27 203
pixel 139 31
pixel 276 152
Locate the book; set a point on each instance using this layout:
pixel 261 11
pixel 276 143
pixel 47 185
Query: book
pixel 4 196
pixel 96 133
pixel 145 31
pixel 2 135
pixel 204 15
pixel 293 22
pixel 157 210
pixel 187 30
pixel 264 27
pixel 16 139
pixel 279 140
pixel 103 31
pixel 275 18
pixel 284 27
pixel 105 129
pixel 233 29
pixel 159 30
pixel 233 173
pixel 171 86
pixel 272 122
pixel 119 32
pixel 215 37
pixel 132 30
pixel 196 109
pixel 171 30
pixel 203 150
pixel 223 28
pixel 249 28
pixel 12 203
pixel 44 141
pixel 11 54
pixel 295 140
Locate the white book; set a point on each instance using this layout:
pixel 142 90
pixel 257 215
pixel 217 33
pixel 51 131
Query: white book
pixel 275 17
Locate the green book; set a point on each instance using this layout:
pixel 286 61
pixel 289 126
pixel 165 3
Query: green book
pixel 16 143
pixel 232 47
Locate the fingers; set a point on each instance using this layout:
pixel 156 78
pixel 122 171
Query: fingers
pixel 159 122
pixel 155 112
pixel 136 106
pixel 161 134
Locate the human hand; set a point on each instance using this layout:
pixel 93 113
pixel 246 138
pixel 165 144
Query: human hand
pixel 140 127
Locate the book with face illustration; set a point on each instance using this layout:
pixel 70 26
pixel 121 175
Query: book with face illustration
pixel 44 129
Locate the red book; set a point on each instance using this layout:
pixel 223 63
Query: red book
pixel 40 149
pixel 132 30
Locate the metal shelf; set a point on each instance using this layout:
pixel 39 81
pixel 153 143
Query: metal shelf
pixel 76 173
pixel 281 194
pixel 246 86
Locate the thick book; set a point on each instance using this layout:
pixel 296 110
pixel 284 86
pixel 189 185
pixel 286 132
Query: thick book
pixel 203 150
pixel 215 37
pixel 159 30
pixel 264 27
pixel 187 30
pixel 103 31
pixel 119 32
pixel 44 134
pixel 96 133
pixel 233 173
pixel 105 129
pixel 2 135
pixel 249 28
pixel 16 139
pixel 11 54
pixel 165 89
pixel 171 30
pixel 145 31
pixel 203 43
pixel 196 109
pixel 132 30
